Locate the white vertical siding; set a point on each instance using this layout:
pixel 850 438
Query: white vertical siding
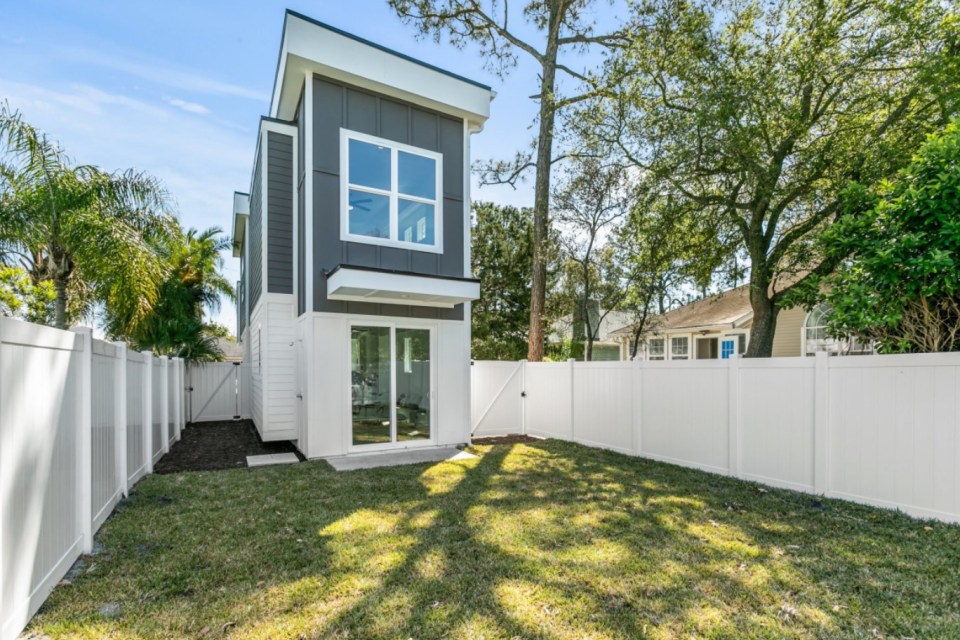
pixel 256 333
pixel 156 381
pixel 547 407
pixel 684 407
pixel 66 453
pixel 136 465
pixel 105 490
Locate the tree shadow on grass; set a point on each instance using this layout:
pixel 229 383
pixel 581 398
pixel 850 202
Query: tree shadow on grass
pixel 551 540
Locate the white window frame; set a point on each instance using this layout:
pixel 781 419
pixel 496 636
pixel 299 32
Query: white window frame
pixel 662 356
pixel 394 443
pixel 393 194
pixel 675 356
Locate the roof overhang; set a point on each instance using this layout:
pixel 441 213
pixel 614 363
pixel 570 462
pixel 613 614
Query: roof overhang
pixel 311 46
pixel 241 212
pixel 366 284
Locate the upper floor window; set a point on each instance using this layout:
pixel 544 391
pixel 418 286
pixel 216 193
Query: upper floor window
pixel 391 193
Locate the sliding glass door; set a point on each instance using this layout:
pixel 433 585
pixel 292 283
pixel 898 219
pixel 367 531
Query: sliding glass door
pixel 391 385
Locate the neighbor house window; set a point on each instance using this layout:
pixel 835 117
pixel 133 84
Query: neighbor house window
pixel 655 349
pixel 391 193
pixel 680 348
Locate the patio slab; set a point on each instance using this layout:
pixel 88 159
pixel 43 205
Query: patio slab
pixel 397 458
pixel 272 458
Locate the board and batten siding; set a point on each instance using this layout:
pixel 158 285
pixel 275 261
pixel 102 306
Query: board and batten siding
pixel 279 162
pixel 255 235
pixel 336 105
pixel 786 338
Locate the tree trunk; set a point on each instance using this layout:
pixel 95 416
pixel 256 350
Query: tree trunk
pixel 588 350
pixel 541 198
pixel 60 302
pixel 764 323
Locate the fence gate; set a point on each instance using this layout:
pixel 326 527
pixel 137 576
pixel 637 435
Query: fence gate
pixel 497 403
pixel 214 390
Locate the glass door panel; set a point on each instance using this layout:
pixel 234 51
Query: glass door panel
pixel 412 371
pixel 370 383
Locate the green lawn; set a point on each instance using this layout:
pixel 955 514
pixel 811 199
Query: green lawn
pixel 549 540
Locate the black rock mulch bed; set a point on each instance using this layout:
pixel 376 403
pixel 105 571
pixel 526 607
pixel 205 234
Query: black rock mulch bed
pixel 209 446
pixel 511 439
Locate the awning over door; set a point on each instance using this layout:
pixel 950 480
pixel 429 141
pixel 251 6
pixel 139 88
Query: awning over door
pixel 367 284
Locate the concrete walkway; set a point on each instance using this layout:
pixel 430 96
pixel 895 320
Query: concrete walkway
pixel 396 458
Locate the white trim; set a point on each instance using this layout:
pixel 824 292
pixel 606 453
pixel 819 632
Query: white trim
pixel 310 48
pixel 308 267
pixel 360 285
pixel 394 444
pixel 393 193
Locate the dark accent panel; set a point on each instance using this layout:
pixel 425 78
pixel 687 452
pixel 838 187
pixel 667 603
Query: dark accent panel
pixel 361 112
pixel 423 130
pixel 451 146
pixel 394 121
pixel 255 234
pixel 279 213
pixel 451 260
pixel 392 258
pixel 423 262
pixel 364 255
pixel 337 106
pixel 327 116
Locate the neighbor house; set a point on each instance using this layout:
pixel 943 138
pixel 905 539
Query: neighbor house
pixel 718 326
pixel 354 244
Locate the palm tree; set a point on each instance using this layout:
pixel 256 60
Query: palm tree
pixel 175 325
pixel 91 233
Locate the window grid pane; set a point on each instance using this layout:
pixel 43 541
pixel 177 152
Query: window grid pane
pixel 680 347
pixel 391 193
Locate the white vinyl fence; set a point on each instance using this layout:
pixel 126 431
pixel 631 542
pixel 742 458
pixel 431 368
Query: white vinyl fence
pixel 80 422
pixel 881 430
pixel 218 391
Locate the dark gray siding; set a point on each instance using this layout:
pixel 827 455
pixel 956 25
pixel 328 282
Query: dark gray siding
pixel 335 106
pixel 279 213
pixel 254 236
pixel 301 217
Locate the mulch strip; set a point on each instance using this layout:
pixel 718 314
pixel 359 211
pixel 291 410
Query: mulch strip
pixel 511 439
pixel 211 446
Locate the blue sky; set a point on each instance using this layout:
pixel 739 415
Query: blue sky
pixel 176 88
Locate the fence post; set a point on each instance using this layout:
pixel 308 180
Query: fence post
pixel 164 404
pixel 85 448
pixel 636 406
pixel 120 415
pixel 148 411
pixel 523 397
pixel 821 428
pixel 177 386
pixel 733 416
pixel 573 436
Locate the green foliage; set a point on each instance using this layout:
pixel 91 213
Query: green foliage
pixel 21 298
pixel 91 233
pixel 501 256
pixel 762 113
pixel 174 325
pixel 901 285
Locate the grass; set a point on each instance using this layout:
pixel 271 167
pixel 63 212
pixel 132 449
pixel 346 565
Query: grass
pixel 547 540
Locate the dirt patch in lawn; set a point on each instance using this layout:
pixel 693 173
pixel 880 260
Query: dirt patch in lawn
pixel 209 446
pixel 511 439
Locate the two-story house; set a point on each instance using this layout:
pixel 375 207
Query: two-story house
pixel 354 242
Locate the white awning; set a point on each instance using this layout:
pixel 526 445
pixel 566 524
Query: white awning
pixel 392 287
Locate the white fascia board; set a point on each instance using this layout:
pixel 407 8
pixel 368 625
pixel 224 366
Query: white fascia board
pixel 309 47
pixel 360 285
pixel 241 212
